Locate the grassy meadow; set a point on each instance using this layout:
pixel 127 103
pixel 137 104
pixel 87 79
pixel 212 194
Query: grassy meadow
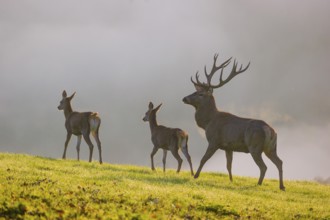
pixel 33 187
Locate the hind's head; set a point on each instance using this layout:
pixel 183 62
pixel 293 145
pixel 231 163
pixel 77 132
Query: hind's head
pixel 151 111
pixel 65 102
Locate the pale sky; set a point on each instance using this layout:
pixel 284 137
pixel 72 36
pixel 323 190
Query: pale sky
pixel 119 55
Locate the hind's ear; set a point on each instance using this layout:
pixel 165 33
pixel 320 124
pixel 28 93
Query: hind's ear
pixel 64 95
pixel 72 95
pixel 157 108
pixel 151 105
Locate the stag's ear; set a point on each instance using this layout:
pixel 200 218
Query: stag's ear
pixel 199 88
pixel 157 108
pixel 151 105
pixel 72 95
pixel 209 91
pixel 64 94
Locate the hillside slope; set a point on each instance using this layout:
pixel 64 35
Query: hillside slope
pixel 36 187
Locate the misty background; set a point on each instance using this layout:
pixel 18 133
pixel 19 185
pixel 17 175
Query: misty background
pixel 119 55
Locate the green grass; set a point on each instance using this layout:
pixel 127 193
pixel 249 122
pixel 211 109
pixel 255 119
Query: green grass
pixel 34 187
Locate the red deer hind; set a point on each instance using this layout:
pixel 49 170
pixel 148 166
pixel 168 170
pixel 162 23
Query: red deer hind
pixel 229 132
pixel 80 124
pixel 171 139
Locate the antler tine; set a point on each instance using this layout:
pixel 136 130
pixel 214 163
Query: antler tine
pixel 214 69
pixel 191 79
pixel 242 70
pixel 232 74
pixel 224 64
pixel 215 58
pixel 197 83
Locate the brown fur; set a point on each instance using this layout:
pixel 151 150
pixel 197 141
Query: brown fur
pixel 168 139
pixel 80 124
pixel 229 132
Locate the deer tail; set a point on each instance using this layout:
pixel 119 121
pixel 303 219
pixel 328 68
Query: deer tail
pixel 182 138
pixel 270 139
pixel 94 121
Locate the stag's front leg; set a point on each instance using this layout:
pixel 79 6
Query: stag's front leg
pixel 91 147
pixel 229 156
pixel 208 154
pixel 154 151
pixel 164 159
pixel 78 146
pixel 68 137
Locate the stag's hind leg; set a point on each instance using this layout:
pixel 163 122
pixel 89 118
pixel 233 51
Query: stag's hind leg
pixel 68 137
pixel 278 162
pixel 261 164
pixel 98 142
pixel 229 156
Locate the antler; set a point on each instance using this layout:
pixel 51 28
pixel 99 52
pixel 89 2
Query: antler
pixel 214 69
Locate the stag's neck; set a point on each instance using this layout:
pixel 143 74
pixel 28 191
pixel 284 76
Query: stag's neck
pixel 205 113
pixel 67 111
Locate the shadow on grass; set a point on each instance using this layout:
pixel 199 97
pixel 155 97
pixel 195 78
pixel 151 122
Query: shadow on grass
pixel 219 210
pixel 157 180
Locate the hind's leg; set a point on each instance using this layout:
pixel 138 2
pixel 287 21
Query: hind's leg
pixel 68 137
pixel 178 158
pixel 98 142
pixel 278 162
pixel 154 151
pixel 89 143
pixel 229 156
pixel 78 146
pixel 164 159
pixel 184 150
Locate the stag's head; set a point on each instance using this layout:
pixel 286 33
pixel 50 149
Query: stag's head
pixel 204 91
pixel 151 111
pixel 65 102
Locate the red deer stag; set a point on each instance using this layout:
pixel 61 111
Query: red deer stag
pixel 229 132
pixel 80 124
pixel 171 139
